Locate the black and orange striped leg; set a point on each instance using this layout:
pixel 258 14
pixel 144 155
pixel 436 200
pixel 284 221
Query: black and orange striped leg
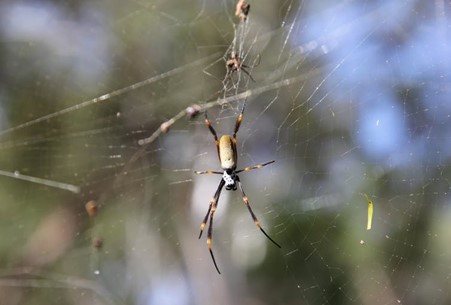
pixel 238 122
pixel 209 237
pixel 208 172
pixel 255 167
pixel 257 223
pixel 237 127
pixel 212 203
pixel 202 226
pixel 212 130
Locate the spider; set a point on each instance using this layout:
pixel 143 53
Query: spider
pixel 234 64
pixel 226 147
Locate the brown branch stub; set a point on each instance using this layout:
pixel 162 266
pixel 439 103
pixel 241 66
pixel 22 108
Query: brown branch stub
pixel 164 127
pixel 242 10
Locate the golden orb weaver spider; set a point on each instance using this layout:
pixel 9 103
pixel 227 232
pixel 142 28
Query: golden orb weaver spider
pixel 227 153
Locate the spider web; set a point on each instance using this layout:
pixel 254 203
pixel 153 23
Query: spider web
pixel 101 131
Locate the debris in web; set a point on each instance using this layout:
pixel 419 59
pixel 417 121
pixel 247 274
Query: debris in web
pixel 242 10
pixel 370 212
pixel 91 208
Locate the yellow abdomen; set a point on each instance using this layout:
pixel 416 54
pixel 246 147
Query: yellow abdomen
pixel 227 152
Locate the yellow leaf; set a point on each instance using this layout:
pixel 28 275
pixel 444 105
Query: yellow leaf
pixel 370 212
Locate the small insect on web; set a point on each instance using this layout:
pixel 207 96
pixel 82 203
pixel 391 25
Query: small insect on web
pixel 235 64
pixel 227 154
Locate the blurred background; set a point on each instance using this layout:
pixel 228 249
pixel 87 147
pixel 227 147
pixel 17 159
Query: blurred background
pixel 351 98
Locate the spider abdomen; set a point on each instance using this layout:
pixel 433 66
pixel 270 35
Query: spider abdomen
pixel 227 153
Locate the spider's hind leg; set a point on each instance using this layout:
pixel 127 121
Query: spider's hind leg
pixel 256 221
pixel 213 202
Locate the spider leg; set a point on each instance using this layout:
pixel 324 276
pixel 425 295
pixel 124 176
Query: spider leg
pixel 254 65
pixel 212 202
pixel 230 68
pixel 238 121
pixel 257 223
pixel 237 127
pixel 212 130
pixel 213 206
pixel 254 167
pixel 228 78
pixel 243 68
pixel 207 172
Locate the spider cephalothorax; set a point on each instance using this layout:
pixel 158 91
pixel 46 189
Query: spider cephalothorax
pixel 230 179
pixel 226 147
